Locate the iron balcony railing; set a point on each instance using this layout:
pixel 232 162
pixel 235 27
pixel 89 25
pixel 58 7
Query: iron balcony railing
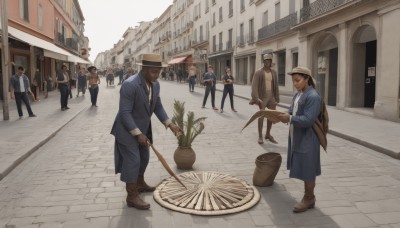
pixel 319 7
pixel 278 26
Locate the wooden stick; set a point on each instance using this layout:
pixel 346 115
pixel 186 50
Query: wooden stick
pixel 165 164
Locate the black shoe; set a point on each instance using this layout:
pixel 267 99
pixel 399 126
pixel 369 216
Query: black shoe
pixel 66 107
pixel 33 115
pixel 63 109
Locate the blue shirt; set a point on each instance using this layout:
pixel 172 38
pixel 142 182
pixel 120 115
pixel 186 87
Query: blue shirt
pixel 210 76
pixel 15 84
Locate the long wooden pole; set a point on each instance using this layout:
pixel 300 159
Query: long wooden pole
pixel 5 63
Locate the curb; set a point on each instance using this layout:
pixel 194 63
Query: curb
pixel 4 173
pixel 391 153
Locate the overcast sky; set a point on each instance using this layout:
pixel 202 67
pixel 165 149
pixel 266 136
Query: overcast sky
pixel 107 20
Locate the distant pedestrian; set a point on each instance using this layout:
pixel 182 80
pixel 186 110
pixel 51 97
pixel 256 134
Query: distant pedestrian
pixel 63 84
pixel 82 82
pixel 130 72
pixel 210 79
pixel 94 81
pixel 228 89
pixel 139 99
pixel 179 75
pixel 19 88
pixel 171 74
pixel 303 159
pixel 192 78
pixel 110 77
pixel 265 93
pixel 37 83
pixel 163 74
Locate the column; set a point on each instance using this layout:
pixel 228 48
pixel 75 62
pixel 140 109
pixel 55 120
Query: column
pixel 343 77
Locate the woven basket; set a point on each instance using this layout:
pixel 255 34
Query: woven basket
pixel 267 166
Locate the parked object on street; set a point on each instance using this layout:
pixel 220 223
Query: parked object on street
pixel 184 155
pixel 267 166
pixel 207 193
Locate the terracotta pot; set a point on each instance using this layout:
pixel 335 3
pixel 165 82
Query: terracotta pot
pixel 184 157
pixel 267 166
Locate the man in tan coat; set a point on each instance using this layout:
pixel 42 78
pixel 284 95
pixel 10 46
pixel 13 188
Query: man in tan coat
pixel 265 93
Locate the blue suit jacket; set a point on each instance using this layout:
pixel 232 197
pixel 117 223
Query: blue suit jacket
pixel 135 110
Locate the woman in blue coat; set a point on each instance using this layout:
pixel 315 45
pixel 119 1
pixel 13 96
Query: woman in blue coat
pixel 303 158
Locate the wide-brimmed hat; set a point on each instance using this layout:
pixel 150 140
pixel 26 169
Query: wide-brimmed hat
pixel 152 60
pixel 267 56
pixel 91 68
pixel 300 70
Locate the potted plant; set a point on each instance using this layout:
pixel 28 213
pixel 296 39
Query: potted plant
pixel 184 155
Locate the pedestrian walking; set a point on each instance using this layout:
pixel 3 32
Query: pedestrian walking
pixel 209 80
pixel 82 82
pixel 171 74
pixel 94 81
pixel 37 83
pixel 228 89
pixel 179 75
pixel 110 77
pixel 139 99
pixel 130 72
pixel 303 158
pixel 63 86
pixel 19 88
pixel 192 78
pixel 265 93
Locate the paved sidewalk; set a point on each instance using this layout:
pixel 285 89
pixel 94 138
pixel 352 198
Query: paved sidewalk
pixel 380 135
pixel 20 138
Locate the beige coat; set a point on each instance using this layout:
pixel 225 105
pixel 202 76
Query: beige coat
pixel 258 90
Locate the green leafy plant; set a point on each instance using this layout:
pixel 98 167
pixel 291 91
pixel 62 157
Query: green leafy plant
pixel 190 126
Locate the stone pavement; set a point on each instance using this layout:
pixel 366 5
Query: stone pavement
pixel 70 180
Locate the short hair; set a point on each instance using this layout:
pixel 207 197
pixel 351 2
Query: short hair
pixel 91 68
pixel 21 68
pixel 210 67
pixel 62 67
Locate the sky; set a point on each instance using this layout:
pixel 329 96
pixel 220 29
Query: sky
pixel 107 20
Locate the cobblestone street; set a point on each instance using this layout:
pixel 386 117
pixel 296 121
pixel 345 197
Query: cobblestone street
pixel 70 181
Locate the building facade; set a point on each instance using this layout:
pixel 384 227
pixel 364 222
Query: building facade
pixel 351 46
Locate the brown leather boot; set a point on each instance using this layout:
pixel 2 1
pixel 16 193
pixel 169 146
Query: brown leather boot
pixel 143 187
pixel 308 200
pixel 133 199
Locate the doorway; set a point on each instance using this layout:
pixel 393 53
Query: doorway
pixel 370 74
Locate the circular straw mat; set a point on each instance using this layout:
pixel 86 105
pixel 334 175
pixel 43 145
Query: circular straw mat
pixel 207 193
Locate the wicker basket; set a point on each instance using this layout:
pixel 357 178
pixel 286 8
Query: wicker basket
pixel 267 166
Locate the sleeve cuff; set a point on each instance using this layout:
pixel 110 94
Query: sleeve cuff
pixel 135 132
pixel 167 123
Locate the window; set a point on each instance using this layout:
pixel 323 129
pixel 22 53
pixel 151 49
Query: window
pixel 207 6
pixel 201 33
pixel 220 14
pixel 230 34
pixel 241 38
pixel 277 11
pixel 207 30
pixel 242 6
pixel 282 68
pixel 265 19
pixel 214 43
pixel 213 22
pixel 251 31
pixel 24 9
pixel 213 2
pixel 295 59
pixel 40 16
pixel 230 8
pixel 292 6
pixel 220 41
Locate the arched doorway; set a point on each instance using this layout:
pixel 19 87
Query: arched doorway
pixel 363 77
pixel 325 59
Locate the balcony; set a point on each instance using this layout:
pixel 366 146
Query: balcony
pixel 277 27
pixel 72 44
pixel 228 45
pixel 319 7
pixel 220 47
pixel 61 38
pixel 240 41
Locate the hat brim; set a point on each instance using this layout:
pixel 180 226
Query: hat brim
pixel 294 72
pixel 162 65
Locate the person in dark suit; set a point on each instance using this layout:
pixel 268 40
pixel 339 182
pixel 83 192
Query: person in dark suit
pixel 139 99
pixel 63 86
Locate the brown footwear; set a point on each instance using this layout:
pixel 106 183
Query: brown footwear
pixel 308 200
pixel 133 199
pixel 143 187
pixel 271 139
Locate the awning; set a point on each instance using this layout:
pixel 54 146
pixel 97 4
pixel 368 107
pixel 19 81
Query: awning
pixel 177 60
pixel 52 50
pixel 77 59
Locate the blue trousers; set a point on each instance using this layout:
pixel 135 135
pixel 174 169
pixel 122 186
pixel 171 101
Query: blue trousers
pixel 93 94
pixel 22 97
pixel 64 95
pixel 208 90
pixel 227 90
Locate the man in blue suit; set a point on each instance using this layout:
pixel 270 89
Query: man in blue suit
pixel 139 99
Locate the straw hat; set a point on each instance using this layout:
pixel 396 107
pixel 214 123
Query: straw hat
pixel 152 60
pixel 267 56
pixel 300 70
